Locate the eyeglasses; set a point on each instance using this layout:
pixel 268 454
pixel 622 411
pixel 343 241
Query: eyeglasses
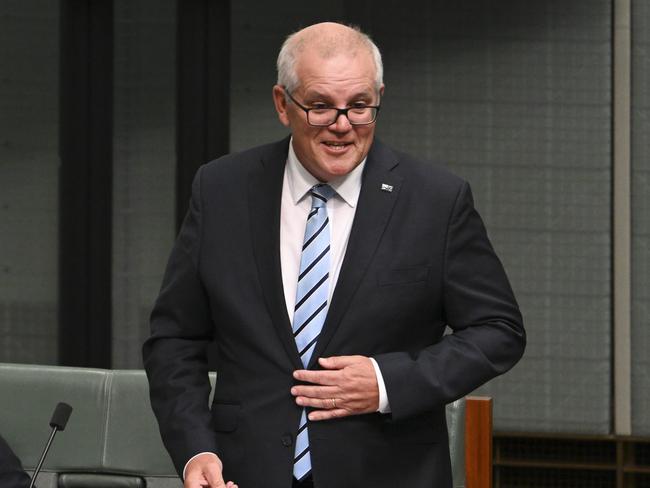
pixel 326 116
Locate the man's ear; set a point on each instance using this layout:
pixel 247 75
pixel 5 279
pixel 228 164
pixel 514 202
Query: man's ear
pixel 280 101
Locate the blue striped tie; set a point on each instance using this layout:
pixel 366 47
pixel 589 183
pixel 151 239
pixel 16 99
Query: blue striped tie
pixel 311 302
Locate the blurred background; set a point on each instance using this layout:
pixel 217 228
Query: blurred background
pixel 107 108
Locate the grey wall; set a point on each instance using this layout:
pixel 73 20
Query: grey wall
pixel 640 218
pixel 258 30
pixel 29 122
pixel 144 165
pixel 514 96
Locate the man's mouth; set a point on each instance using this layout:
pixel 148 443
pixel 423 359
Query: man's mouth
pixel 336 146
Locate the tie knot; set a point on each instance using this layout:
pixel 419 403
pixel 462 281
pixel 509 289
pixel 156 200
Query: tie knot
pixel 320 194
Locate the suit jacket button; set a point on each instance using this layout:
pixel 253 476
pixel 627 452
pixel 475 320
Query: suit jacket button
pixel 287 440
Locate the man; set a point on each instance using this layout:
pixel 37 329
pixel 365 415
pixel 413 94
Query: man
pixel 326 268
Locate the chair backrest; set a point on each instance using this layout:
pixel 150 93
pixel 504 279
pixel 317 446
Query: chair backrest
pixel 112 430
pixel 112 438
pixel 456 427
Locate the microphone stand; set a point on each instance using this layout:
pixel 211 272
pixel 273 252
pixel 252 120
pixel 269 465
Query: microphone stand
pixel 59 420
pixel 40 462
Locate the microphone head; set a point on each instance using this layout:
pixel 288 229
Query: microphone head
pixel 60 416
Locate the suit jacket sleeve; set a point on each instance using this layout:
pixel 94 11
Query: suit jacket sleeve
pixel 11 470
pixel 175 353
pixel 479 306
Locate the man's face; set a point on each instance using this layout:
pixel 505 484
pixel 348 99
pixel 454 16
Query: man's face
pixel 339 81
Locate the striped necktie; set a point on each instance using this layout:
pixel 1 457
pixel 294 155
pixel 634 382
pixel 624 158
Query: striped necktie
pixel 311 302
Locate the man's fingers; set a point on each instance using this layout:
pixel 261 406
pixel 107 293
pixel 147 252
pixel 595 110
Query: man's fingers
pixel 198 481
pixel 325 403
pixel 338 362
pixel 214 478
pixel 331 375
pixel 327 378
pixel 195 482
pixel 315 391
pixel 328 414
pixel 347 387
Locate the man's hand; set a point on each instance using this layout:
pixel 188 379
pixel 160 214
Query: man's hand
pixel 205 471
pixel 346 386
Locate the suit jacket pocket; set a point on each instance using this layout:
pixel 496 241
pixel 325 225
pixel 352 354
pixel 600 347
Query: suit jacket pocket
pixel 225 416
pixel 402 276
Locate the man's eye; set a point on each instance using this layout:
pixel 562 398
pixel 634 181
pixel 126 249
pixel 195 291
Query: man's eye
pixel 319 108
pixel 359 106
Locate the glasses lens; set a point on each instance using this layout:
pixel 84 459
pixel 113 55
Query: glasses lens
pixel 322 116
pixel 361 115
pixel 356 116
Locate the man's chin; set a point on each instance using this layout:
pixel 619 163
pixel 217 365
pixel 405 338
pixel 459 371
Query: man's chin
pixel 340 169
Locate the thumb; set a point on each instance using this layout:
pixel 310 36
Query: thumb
pixel 213 474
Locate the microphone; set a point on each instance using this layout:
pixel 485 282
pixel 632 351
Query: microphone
pixel 58 422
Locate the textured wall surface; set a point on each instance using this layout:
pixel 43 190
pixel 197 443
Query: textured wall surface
pixel 640 218
pixel 256 40
pixel 29 124
pixel 516 98
pixel 144 165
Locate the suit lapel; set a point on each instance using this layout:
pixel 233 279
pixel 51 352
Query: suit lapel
pixel 265 194
pixel 374 208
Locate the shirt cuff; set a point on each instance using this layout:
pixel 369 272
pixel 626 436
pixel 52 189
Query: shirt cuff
pixel 190 459
pixel 384 406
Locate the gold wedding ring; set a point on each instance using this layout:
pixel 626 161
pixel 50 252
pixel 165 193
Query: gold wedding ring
pixel 333 402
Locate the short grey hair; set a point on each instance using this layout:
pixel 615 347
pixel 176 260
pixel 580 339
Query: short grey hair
pixel 294 43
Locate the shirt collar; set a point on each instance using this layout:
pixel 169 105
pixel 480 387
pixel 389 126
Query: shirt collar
pixel 300 180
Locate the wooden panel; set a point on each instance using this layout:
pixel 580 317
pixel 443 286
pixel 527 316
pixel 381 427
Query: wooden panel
pixel 478 442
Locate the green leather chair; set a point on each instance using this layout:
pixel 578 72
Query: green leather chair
pixel 112 439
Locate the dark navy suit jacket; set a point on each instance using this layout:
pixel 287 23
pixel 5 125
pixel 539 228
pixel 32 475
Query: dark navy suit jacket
pixel 418 259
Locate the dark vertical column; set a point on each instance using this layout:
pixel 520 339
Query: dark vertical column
pixel 85 183
pixel 203 99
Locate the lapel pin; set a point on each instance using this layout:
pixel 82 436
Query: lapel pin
pixel 385 187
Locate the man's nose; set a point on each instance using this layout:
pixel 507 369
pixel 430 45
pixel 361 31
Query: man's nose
pixel 341 124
